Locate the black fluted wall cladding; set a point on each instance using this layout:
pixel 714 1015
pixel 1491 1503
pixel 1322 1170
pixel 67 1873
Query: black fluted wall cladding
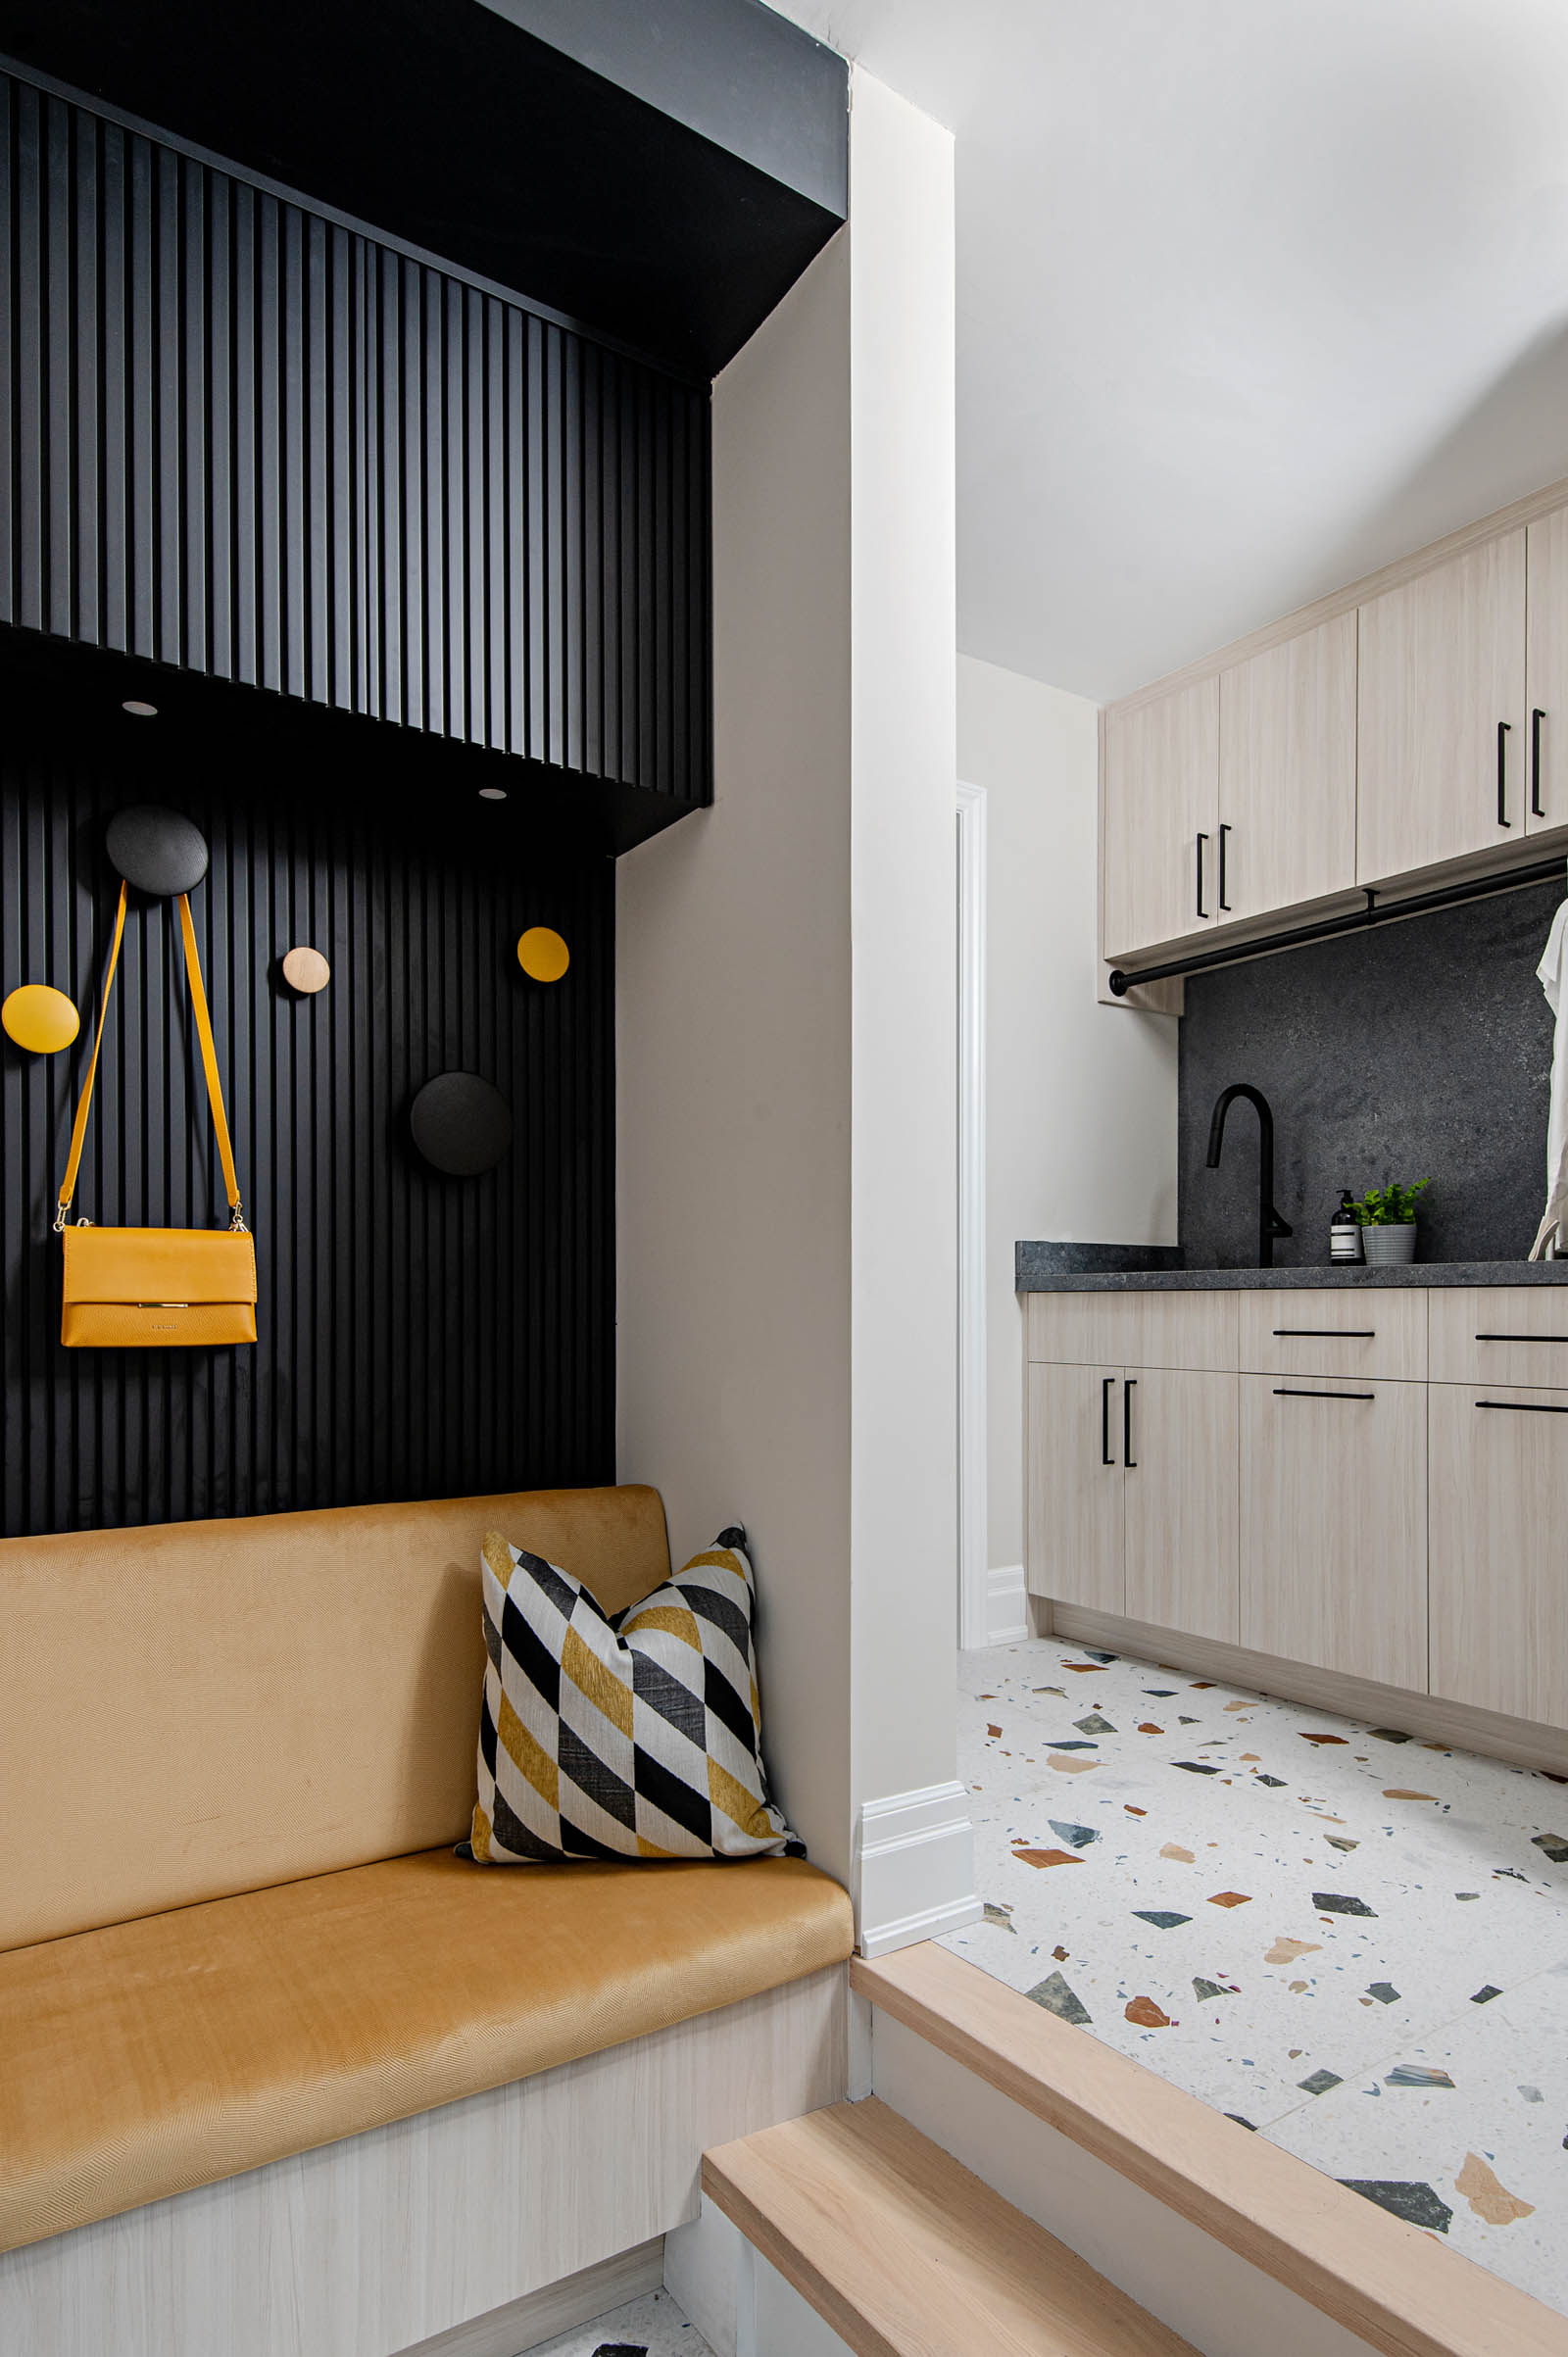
pixel 418 1336
pixel 239 436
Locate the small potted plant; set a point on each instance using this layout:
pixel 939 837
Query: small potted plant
pixel 1387 1216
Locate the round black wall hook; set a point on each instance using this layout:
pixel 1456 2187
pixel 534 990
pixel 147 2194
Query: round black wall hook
pixel 461 1124
pixel 158 851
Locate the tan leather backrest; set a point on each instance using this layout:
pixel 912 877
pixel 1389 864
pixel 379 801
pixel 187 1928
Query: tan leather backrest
pixel 202 1707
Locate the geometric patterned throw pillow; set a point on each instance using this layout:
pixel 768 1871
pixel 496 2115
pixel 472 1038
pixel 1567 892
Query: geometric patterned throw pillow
pixel 637 1737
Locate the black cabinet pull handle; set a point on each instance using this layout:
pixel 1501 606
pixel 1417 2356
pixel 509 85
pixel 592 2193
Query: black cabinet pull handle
pixel 1106 1457
pixel 1127 1390
pixel 1503 818
pixel 1202 911
pixel 1524 1408
pixel 1521 1338
pixel 1535 718
pixel 1223 832
pixel 1283 1392
pixel 1333 1334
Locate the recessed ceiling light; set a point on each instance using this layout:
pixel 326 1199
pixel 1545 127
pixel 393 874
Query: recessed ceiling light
pixel 141 712
pixel 492 793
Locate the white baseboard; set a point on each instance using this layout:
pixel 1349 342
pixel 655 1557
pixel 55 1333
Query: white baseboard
pixel 913 1868
pixel 1006 1605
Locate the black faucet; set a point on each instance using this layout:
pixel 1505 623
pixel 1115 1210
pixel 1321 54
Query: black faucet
pixel 1269 1223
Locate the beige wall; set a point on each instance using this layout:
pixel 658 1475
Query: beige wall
pixel 1080 1098
pixel 785 1024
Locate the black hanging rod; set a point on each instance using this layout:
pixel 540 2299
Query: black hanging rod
pixel 1357 921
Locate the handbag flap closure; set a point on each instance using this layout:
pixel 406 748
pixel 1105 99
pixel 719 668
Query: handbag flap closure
pixel 158 1265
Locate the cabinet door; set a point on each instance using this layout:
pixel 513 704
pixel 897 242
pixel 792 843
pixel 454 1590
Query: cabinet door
pixel 1074 1521
pixel 1162 820
pixel 1547 674
pixel 1286 773
pixel 1182 1502
pixel 1499 1563
pixel 1334 1516
pixel 1441 670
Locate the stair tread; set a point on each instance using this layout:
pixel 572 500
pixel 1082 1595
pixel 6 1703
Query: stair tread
pixel 1393 2285
pixel 906 2254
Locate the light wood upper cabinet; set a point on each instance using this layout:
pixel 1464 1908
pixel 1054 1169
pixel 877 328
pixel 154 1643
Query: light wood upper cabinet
pixel 1441 670
pixel 1160 819
pixel 1545 771
pixel 1499 1508
pixel 1286 773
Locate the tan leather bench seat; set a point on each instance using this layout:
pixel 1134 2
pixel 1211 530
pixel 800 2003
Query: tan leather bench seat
pixel 149 2057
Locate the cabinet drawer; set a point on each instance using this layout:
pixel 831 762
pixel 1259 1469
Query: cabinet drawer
pixel 1500 1334
pixel 1337 1331
pixel 1133 1329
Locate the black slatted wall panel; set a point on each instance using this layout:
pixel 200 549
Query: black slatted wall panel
pixel 418 1336
pixel 237 436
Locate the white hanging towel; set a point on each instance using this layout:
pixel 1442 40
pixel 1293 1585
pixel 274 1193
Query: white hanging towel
pixel 1551 1244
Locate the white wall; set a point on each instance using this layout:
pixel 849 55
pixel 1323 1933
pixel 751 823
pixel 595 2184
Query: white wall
pixel 1081 1097
pixel 785 1032
pixel 905 913
pixel 732 1050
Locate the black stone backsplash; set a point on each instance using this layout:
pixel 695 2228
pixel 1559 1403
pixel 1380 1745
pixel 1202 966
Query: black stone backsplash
pixel 1418 1049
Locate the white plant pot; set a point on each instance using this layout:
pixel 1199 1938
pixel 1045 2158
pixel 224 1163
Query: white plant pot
pixel 1389 1247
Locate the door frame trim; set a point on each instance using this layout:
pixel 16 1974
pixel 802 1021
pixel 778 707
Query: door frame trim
pixel 972 1533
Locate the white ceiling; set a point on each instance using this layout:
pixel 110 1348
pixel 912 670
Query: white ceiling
pixel 1254 295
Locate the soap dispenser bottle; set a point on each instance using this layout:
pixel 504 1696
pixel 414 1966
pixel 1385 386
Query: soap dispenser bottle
pixel 1345 1233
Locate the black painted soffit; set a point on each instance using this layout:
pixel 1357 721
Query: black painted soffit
pixel 451 126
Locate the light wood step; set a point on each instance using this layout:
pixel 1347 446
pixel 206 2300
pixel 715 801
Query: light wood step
pixel 1396 2286
pixel 906 2254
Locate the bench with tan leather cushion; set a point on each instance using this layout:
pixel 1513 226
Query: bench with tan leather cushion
pixel 223 1749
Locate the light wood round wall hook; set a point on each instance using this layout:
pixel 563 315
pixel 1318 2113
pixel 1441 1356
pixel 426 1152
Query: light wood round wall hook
pixel 305 969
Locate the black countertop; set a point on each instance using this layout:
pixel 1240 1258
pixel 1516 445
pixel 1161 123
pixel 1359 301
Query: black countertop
pixel 1156 1268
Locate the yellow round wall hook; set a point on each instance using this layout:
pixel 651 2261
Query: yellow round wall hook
pixel 542 954
pixel 40 1018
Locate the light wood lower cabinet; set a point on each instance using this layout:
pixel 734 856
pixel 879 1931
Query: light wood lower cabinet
pixel 1500 1549
pixel 1132 1494
pixel 1316 1505
pixel 1334 1495
pixel 1075 1517
pixel 1181 1509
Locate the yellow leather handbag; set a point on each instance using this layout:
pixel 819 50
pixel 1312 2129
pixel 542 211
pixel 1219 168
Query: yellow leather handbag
pixel 154 1287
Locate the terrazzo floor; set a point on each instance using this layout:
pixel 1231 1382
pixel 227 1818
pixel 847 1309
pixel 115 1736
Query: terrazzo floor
pixel 1352 1940
pixel 652 2327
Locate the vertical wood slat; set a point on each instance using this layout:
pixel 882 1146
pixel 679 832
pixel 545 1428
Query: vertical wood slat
pixel 242 439
pixel 418 1335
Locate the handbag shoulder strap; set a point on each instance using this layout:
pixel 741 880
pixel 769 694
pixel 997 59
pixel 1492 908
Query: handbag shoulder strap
pixel 204 1032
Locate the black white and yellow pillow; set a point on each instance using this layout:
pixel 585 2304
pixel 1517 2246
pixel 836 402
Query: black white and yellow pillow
pixel 637 1737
